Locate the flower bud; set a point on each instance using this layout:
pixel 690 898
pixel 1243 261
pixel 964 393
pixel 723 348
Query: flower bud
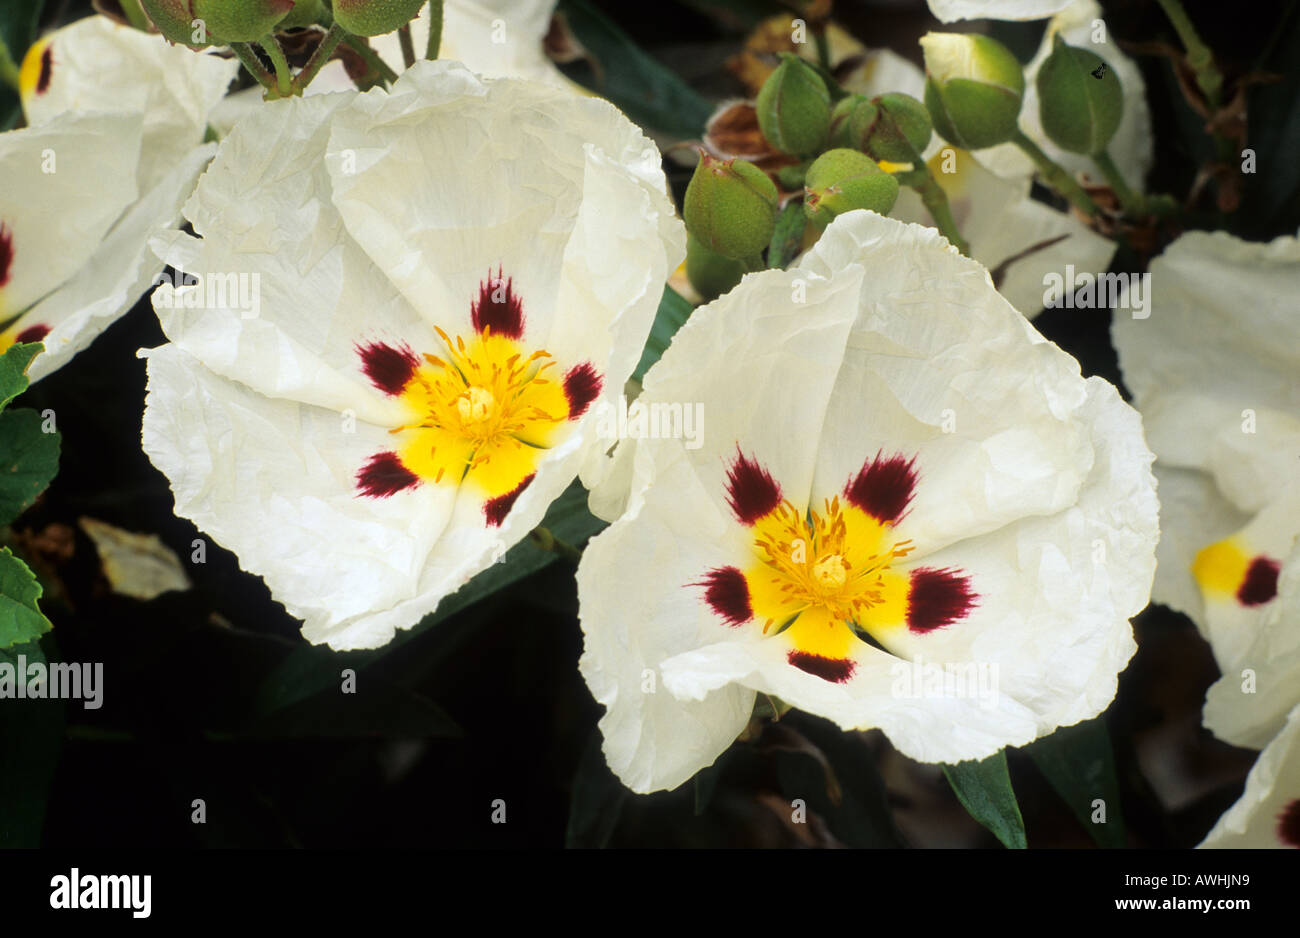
pixel 730 206
pixel 901 131
pixel 1080 100
pixel 842 180
pixel 710 273
pixel 794 107
pixel 375 17
pixel 175 21
pixel 304 13
pixel 851 121
pixel 973 89
pixel 239 20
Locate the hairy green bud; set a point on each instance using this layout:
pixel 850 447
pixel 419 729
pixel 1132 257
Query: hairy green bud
pixel 842 180
pixel 794 107
pixel 730 207
pixel 1080 100
pixel 973 89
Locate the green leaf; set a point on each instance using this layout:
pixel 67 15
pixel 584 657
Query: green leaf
pixel 984 789
pixel 29 459
pixel 18 24
pixel 596 801
pixel 1080 766
pixel 650 93
pixel 13 370
pixel 31 738
pixel 310 669
pixel 21 621
pixel 674 310
pixel 788 236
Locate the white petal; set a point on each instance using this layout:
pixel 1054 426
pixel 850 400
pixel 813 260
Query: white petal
pixel 949 11
pixel 1272 786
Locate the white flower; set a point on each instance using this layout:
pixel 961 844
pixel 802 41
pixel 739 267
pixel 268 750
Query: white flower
pixel 886 441
pixel 442 279
pixel 1214 372
pixel 114 146
pixel 949 11
pixel 1268 812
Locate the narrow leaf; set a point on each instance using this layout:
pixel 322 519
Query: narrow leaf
pixel 1080 766
pixel 984 789
pixel 674 310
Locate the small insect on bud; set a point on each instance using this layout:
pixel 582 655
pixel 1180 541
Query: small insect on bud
pixel 842 180
pixel 375 17
pixel 794 107
pixel 710 273
pixel 1080 101
pixel 240 20
pixel 851 122
pixel 902 129
pixel 973 89
pixel 730 207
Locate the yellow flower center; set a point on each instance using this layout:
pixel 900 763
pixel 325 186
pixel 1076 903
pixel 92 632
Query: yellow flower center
pixel 830 572
pixel 475 405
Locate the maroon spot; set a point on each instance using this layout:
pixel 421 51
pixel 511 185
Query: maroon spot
pixel 32 334
pixel 1260 584
pixel 1288 824
pixel 47 66
pixel 388 367
pixel 727 592
pixel 497 308
pixel 883 488
pixel 581 385
pixel 385 475
pixel 496 509
pixel 751 491
pixel 6 253
pixel 938 597
pixel 835 670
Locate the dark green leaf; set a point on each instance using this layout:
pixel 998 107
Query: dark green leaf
pixel 21 621
pixel 788 236
pixel 18 23
pixel 29 459
pixel 31 737
pixel 649 93
pixel 1080 765
pixel 596 801
pixel 984 789
pixel 674 310
pixel 13 370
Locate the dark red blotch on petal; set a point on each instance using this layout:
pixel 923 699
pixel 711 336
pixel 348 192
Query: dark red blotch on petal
pixel 6 253
pixel 47 68
pixel 496 509
pixel 581 386
pixel 385 475
pixel 727 592
pixel 883 488
pixel 835 670
pixel 751 490
pixel 34 333
pixel 388 367
pixel 497 308
pixel 938 597
pixel 1260 583
pixel 1288 824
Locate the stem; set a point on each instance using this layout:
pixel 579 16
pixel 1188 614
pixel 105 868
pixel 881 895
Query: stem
pixel 371 57
pixel 1199 56
pixel 435 29
pixel 253 64
pixel 319 57
pixel 283 74
pixel 408 47
pixel 936 202
pixel 544 539
pixel 1054 175
pixel 1134 204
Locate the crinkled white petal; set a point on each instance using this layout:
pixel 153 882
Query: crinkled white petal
pixel 1271 788
pixel 949 11
pixel 1043 493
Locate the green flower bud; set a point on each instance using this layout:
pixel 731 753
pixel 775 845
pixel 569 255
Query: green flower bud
pixel 175 21
pixel 710 273
pixel 842 180
pixel 973 89
pixel 794 107
pixel 851 121
pixel 730 207
pixel 791 178
pixel 1080 100
pixel 239 20
pixel 902 130
pixel 304 13
pixel 375 17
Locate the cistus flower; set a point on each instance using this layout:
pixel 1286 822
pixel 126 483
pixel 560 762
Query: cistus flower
pixel 113 148
pixel 973 89
pixel 896 472
pixel 1268 812
pixel 950 11
pixel 1213 367
pixel 451 275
